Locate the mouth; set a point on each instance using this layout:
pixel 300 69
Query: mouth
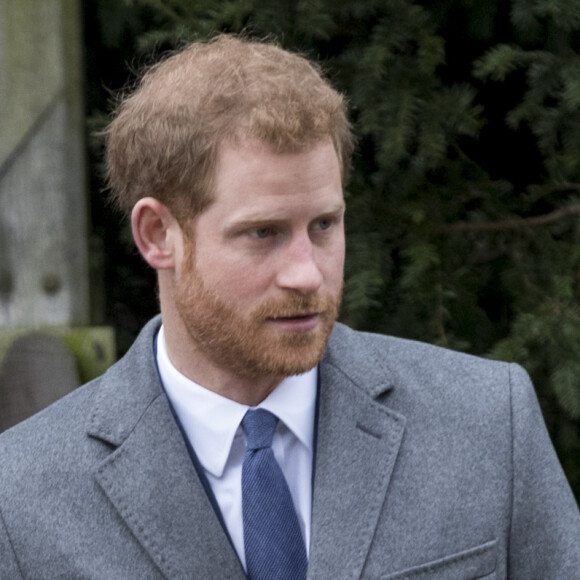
pixel 297 322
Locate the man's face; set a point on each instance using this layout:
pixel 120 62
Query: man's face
pixel 260 283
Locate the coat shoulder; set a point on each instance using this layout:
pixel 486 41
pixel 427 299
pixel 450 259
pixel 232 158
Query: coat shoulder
pixel 411 364
pixel 124 390
pixel 34 445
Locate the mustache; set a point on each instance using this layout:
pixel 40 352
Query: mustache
pixel 295 306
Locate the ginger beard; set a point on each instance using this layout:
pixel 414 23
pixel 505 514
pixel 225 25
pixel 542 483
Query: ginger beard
pixel 251 346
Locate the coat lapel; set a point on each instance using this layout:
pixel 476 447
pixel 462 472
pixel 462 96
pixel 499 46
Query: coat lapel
pixel 358 442
pixel 149 477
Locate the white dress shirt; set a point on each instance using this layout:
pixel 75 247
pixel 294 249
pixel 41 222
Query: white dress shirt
pixel 212 424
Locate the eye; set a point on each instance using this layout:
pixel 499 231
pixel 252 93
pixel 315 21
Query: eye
pixel 325 223
pixel 263 233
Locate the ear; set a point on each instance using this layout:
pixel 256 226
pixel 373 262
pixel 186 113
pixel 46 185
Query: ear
pixel 156 233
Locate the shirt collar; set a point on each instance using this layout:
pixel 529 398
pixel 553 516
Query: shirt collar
pixel 211 421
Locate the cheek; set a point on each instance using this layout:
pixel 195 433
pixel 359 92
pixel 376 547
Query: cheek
pixel 336 275
pixel 332 265
pixel 238 283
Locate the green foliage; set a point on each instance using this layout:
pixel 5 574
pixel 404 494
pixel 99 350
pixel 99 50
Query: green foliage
pixel 546 340
pixel 551 103
pixel 463 203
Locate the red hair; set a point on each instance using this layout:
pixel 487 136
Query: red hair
pixel 164 139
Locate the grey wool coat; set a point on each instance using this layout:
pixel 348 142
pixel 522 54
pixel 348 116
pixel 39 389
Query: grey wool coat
pixel 430 465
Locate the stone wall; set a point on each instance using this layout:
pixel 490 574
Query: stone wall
pixel 43 215
pixel 47 348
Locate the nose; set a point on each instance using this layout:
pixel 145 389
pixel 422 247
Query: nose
pixel 299 270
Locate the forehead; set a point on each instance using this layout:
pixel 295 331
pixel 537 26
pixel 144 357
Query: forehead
pixel 251 171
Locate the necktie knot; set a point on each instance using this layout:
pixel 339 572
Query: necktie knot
pixel 259 426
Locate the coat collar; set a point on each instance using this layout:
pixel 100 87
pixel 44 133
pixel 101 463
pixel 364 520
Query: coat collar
pixel 150 480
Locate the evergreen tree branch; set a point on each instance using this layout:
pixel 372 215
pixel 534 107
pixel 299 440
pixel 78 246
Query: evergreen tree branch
pixel 515 223
pixel 536 192
pixel 163 8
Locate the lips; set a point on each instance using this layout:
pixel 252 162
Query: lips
pixel 297 322
pixel 296 316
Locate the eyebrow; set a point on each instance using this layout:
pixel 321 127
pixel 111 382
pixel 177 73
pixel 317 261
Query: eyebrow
pixel 264 218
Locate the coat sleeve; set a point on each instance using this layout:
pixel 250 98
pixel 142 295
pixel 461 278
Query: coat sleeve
pixel 545 520
pixel 9 569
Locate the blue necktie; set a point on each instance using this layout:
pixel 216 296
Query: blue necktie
pixel 272 538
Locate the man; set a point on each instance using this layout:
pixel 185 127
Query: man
pixel 392 459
